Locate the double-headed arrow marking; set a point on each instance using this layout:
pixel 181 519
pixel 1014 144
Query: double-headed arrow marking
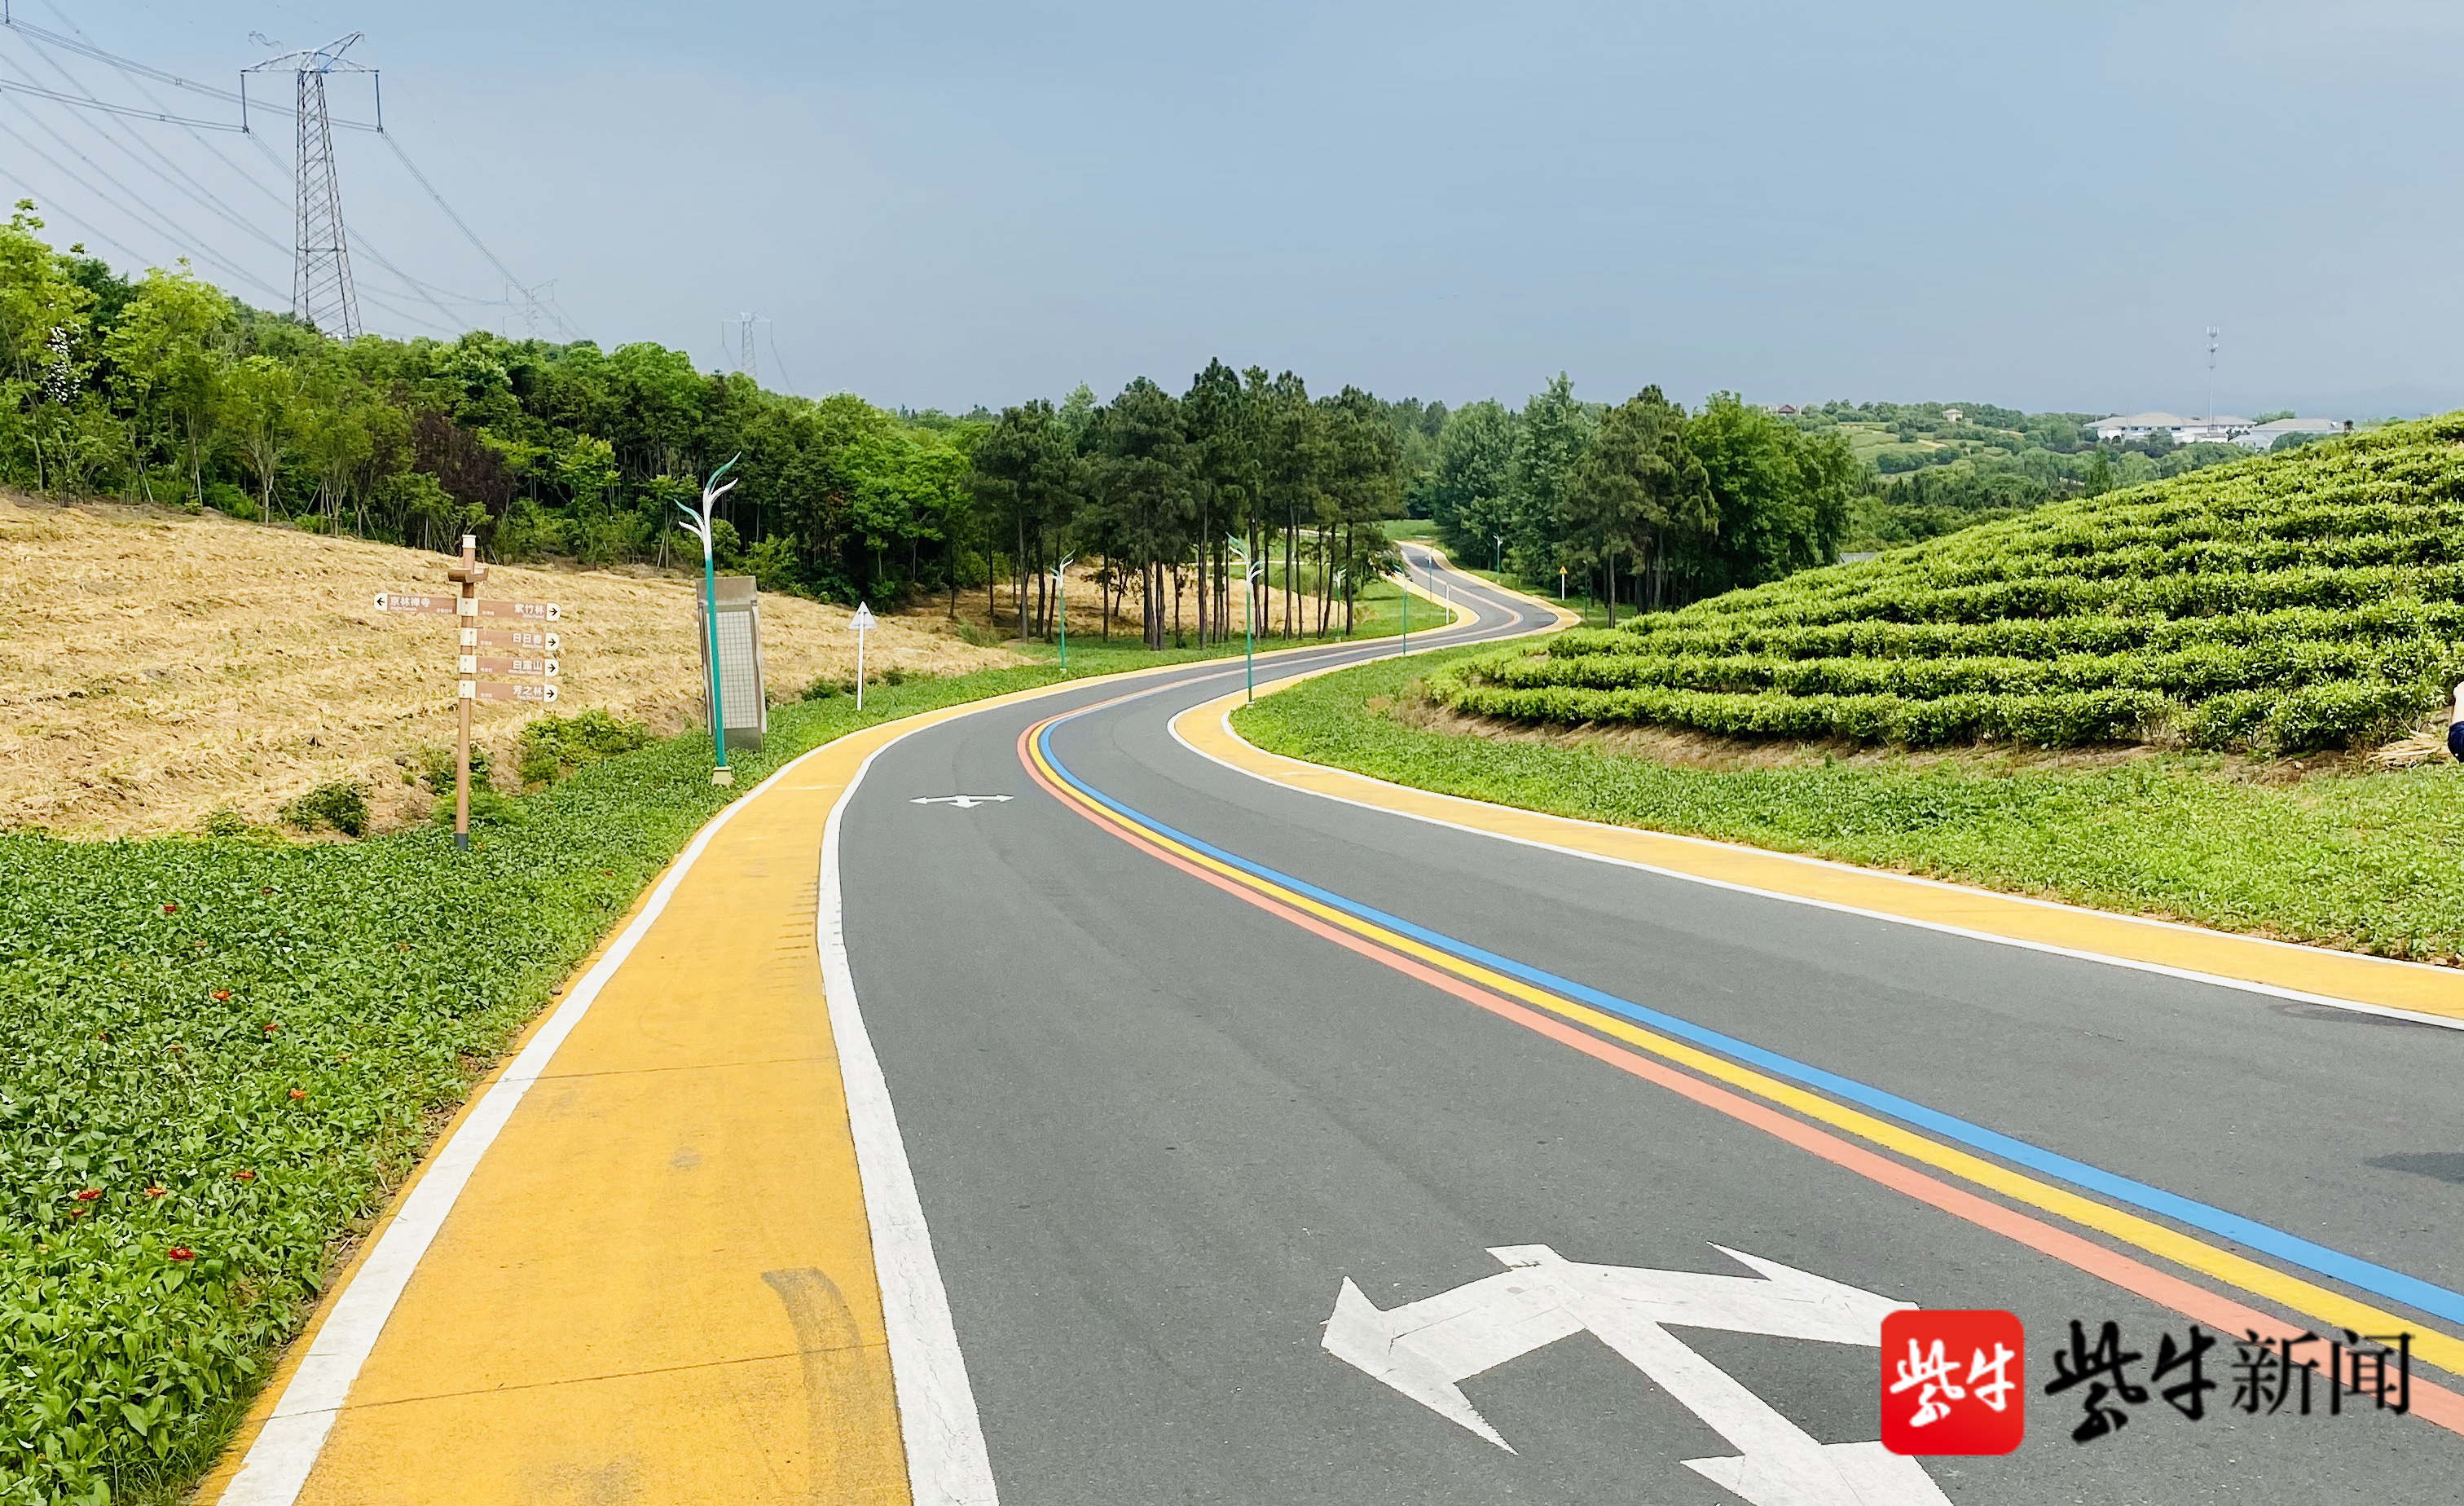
pixel 1422 1349
pixel 962 802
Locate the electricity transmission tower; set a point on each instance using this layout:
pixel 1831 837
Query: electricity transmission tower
pixel 2211 376
pixel 746 359
pixel 321 291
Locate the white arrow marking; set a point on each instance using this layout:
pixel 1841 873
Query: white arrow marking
pixel 1422 1349
pixel 962 802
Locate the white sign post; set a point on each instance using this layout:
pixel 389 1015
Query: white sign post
pixel 1422 1349
pixel 862 623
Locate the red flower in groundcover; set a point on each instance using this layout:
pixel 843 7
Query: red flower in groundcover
pixel 156 1192
pixel 89 1194
pixel 1953 1382
pixel 300 1092
pixel 220 994
pixel 183 1252
pixel 170 909
pixel 271 1027
pixel 244 1175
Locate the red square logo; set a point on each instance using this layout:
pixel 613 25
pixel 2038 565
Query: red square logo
pixel 1953 1382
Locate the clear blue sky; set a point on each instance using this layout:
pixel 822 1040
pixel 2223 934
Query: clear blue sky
pixel 2037 204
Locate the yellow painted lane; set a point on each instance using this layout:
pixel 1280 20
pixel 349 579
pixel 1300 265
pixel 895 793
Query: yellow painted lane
pixel 2412 987
pixel 658 1284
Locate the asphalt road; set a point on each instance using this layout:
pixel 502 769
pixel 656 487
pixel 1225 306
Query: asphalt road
pixel 1154 1129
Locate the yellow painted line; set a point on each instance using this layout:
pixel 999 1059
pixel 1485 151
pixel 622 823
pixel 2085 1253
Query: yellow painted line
pixel 2288 1291
pixel 2375 982
pixel 658 1281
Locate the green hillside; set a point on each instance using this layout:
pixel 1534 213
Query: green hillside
pixel 2290 602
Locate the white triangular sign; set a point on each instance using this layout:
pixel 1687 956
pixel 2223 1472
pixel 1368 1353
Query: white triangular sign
pixel 862 622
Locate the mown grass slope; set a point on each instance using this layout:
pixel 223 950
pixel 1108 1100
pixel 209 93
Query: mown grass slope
pixel 2307 600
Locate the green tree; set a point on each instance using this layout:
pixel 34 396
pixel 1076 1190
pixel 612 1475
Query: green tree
pixel 1636 490
pixel 1548 443
pixel 43 355
pixel 1361 482
pixel 1470 493
pixel 1782 496
pixel 1148 494
pixel 166 355
pixel 1027 481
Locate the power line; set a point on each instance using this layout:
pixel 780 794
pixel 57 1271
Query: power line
pixel 87 49
pixel 772 335
pixel 464 227
pixel 191 187
pixel 167 228
pixel 41 93
pixel 317 162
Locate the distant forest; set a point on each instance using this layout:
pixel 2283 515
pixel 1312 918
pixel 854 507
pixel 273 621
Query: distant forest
pixel 1926 474
pixel 162 389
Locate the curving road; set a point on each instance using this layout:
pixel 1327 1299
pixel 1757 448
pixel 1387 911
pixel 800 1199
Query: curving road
pixel 1182 1058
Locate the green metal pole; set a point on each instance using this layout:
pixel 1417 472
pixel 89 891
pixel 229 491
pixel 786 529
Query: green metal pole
pixel 710 620
pixel 1249 631
pixel 1061 594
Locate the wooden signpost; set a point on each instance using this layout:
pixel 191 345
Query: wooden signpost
pixel 536 648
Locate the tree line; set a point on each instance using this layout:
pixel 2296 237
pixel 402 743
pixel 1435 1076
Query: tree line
pixel 162 389
pixel 1642 502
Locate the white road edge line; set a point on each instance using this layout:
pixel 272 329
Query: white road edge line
pixel 2246 985
pixel 946 1459
pixel 947 1463
pixel 279 1461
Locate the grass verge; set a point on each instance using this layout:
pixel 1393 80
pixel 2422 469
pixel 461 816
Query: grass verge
pixel 2363 862
pixel 224 1054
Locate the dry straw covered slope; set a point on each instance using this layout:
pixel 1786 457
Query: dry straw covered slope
pixel 154 666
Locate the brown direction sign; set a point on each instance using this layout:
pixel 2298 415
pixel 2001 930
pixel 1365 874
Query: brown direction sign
pixel 490 664
pixel 535 695
pixel 413 601
pixel 527 611
pixel 516 638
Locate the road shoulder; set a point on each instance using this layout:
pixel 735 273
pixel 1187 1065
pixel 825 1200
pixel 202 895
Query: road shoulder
pixel 2343 980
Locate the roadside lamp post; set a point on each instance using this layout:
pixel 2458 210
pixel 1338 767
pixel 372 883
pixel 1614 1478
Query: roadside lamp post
pixel 1248 611
pixel 1338 590
pixel 698 525
pixel 1497 560
pixel 1061 598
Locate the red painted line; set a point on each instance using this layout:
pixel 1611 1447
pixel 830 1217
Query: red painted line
pixel 2430 1402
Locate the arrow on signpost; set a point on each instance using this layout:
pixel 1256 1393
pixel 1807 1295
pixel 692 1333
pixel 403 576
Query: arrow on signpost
pixel 1424 1349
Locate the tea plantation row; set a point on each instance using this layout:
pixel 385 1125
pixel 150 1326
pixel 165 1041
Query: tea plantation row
pixel 2285 602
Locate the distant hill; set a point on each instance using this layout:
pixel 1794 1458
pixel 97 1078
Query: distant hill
pixel 1940 467
pixel 2296 601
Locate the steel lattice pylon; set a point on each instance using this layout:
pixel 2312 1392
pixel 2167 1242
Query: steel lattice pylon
pixel 321 292
pixel 322 295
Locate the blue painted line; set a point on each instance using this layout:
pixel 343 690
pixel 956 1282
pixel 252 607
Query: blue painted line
pixel 2334 1264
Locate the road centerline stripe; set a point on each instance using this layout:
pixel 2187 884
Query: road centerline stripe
pixel 1615 1018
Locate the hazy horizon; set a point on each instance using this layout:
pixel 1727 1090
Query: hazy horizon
pixel 2042 208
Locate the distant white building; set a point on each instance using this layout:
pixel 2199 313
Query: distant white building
pixel 2263 436
pixel 2134 427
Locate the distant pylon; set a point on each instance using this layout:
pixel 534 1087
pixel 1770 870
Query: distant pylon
pixel 321 291
pixel 745 357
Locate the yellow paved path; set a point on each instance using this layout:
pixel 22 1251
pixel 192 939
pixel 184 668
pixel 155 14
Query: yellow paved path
pixel 658 1282
pixel 2413 988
